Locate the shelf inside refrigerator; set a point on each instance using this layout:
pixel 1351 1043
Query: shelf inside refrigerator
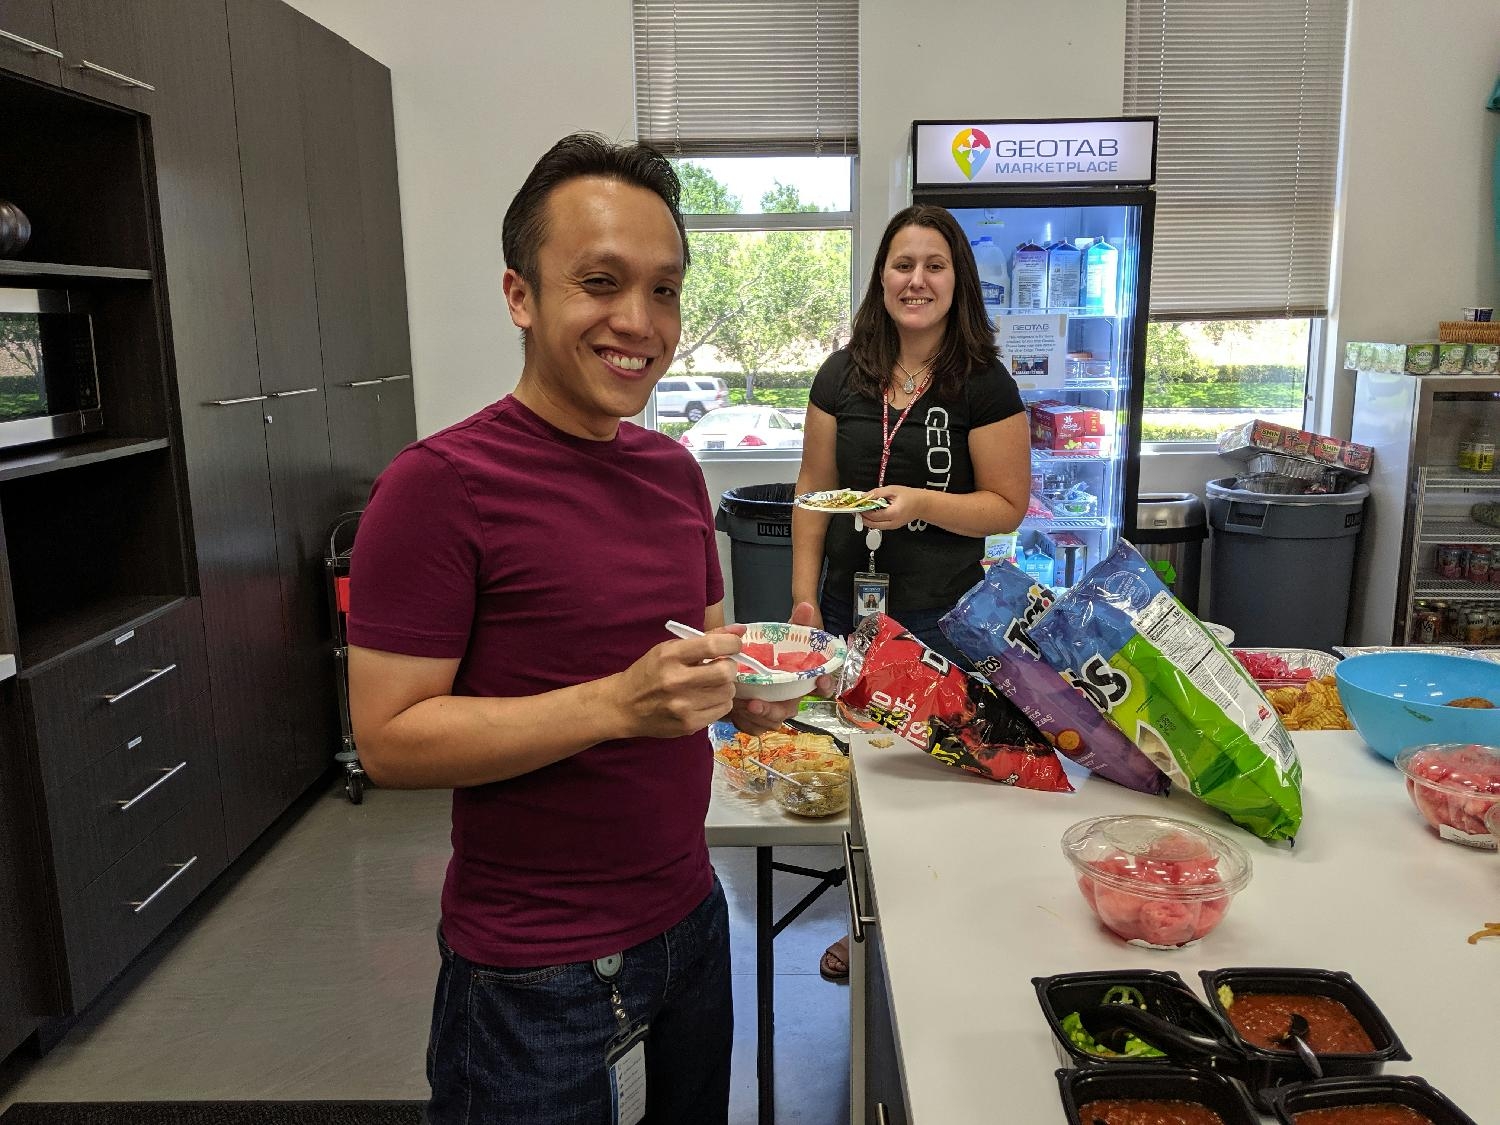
pixel 1067 523
pixel 1057 457
pixel 1455 530
pixel 1452 478
pixel 1457 588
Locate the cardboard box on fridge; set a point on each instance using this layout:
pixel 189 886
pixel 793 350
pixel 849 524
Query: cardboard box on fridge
pixel 1259 436
pixel 1067 429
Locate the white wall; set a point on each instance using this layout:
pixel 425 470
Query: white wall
pixel 1417 231
pixel 481 89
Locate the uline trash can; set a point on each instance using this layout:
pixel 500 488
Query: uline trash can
pixel 758 520
pixel 1283 565
pixel 1170 528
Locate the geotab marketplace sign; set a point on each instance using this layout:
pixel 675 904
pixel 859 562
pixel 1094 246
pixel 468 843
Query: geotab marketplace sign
pixel 989 154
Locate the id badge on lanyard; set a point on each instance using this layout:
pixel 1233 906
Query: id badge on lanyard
pixel 625 1057
pixel 872 588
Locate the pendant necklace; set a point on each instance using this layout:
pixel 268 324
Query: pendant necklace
pixel 909 383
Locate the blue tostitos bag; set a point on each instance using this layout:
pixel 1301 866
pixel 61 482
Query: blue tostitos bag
pixel 989 625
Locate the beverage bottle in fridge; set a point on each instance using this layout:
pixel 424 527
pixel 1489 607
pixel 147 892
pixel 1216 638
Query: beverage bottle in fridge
pixel 1028 279
pixel 1101 279
pixel 1064 275
pixel 994 277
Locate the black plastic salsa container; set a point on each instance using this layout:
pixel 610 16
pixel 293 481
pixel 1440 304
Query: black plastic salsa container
pixel 1203 1087
pixel 1375 1089
pixel 1266 1069
pixel 1165 993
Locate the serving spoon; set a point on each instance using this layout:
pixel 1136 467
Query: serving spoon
pixel 1108 1024
pixel 1296 1035
pixel 678 629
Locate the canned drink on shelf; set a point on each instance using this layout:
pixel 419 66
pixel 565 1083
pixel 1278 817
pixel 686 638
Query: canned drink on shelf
pixel 1450 561
pixel 1453 622
pixel 1477 565
pixel 1426 624
pixel 1476 627
pixel 1492 625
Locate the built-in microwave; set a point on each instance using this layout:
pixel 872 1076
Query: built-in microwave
pixel 49 376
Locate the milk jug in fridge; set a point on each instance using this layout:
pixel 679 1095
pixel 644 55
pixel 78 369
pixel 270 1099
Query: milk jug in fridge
pixel 1101 279
pixel 1064 275
pixel 994 277
pixel 1028 280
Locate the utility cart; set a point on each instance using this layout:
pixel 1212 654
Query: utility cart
pixel 336 567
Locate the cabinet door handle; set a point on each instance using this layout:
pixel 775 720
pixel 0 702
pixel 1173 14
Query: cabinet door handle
pixel 156 674
pixel 858 919
pixel 396 379
pixel 11 39
pixel 363 383
pixel 882 1115
pixel 137 907
pixel 237 401
pixel 294 394
pixel 166 775
pixel 113 75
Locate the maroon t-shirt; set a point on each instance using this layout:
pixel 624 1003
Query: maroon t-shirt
pixel 545 560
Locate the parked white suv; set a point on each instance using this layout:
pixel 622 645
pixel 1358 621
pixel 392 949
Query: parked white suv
pixel 690 398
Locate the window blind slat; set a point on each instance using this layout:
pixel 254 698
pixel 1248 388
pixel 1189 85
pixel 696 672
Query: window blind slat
pixel 1248 92
pixel 747 77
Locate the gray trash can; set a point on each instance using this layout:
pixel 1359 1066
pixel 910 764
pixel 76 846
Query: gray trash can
pixel 758 520
pixel 1283 565
pixel 1170 528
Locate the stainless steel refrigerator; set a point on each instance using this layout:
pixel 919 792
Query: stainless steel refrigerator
pixel 1424 573
pixel 1072 199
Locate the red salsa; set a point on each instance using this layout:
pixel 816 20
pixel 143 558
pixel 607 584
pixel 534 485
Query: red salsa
pixel 1262 1018
pixel 1147 1111
pixel 1382 1114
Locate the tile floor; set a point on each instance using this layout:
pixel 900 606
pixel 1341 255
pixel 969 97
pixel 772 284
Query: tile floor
pixel 307 973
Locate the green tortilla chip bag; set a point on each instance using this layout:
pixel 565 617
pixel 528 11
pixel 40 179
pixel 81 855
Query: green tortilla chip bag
pixel 1176 692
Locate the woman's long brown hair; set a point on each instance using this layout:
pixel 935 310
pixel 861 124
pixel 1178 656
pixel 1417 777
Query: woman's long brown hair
pixel 968 338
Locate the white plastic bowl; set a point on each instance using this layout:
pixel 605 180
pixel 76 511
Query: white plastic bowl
pixel 780 686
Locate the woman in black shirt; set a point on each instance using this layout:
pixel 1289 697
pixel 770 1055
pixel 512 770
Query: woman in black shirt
pixel 919 410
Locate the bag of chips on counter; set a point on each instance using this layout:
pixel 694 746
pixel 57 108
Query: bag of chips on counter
pixel 943 711
pixel 990 626
pixel 1175 692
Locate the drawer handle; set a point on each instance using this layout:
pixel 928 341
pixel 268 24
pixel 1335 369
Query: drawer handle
pixel 10 38
pixel 114 75
pixel 156 674
pixel 237 401
pixel 363 383
pixel 166 775
pixel 396 379
pixel 882 1115
pixel 137 907
pixel 294 394
pixel 858 919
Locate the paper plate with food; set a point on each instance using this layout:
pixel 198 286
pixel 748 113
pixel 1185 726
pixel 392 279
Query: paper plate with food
pixel 841 501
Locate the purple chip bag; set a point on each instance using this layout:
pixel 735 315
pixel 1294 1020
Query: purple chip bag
pixel 989 626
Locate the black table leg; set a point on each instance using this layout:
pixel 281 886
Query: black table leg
pixel 765 989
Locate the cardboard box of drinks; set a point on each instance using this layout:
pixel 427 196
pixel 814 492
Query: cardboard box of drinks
pixel 1259 436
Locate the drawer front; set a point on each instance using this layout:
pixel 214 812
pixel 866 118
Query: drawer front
pixel 112 804
pixel 112 920
pixel 94 702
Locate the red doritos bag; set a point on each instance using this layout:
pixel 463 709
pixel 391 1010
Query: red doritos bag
pixel 957 718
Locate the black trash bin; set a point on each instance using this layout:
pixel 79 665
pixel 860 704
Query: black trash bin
pixel 758 520
pixel 1283 565
pixel 1170 528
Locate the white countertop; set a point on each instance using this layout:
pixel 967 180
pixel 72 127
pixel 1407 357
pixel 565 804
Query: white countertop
pixel 975 898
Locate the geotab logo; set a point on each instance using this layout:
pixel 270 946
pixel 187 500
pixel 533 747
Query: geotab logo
pixel 971 148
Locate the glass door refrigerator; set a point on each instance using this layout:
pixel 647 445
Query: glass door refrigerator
pixel 1059 214
pixel 1427 570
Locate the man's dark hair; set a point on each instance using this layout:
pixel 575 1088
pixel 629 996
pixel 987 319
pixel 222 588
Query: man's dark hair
pixel 968 338
pixel 575 156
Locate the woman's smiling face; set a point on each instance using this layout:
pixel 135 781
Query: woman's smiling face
pixel 918 279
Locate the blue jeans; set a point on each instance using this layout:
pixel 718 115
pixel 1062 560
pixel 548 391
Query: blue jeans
pixel 838 618
pixel 527 1046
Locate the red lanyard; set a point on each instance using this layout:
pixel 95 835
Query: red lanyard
pixel 888 435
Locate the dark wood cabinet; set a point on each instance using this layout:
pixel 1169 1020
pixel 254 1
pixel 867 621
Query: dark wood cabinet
pixel 28 39
pixel 107 51
pixel 235 234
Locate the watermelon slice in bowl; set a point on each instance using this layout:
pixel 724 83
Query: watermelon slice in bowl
pixel 796 654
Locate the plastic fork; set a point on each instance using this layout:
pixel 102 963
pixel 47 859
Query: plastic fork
pixel 678 629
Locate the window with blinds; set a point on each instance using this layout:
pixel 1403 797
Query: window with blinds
pixel 1248 92
pixel 745 77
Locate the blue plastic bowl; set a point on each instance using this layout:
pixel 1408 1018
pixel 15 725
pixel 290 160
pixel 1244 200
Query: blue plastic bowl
pixel 1396 699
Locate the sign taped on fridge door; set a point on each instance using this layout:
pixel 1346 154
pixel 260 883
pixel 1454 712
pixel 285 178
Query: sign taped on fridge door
pixel 989 154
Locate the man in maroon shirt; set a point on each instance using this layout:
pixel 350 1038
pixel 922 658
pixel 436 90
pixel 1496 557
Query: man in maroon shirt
pixel 510 584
